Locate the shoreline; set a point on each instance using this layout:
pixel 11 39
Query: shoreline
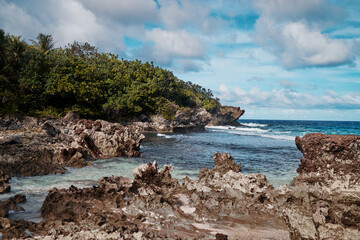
pixel 180 206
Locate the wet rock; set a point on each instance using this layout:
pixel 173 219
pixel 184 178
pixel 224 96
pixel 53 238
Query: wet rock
pixel 47 146
pixel 4 180
pixel 220 236
pixel 11 204
pixel 154 205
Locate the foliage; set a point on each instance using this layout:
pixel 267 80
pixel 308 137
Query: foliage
pixel 38 80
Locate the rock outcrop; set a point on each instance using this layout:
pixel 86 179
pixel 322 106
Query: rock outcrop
pixel 35 147
pixel 324 202
pixel 227 115
pixel 184 120
pixel 187 119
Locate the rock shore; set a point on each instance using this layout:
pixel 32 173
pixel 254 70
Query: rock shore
pixel 187 119
pixel 222 203
pixel 326 193
pixel 47 146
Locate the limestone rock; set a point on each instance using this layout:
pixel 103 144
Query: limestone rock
pixel 227 115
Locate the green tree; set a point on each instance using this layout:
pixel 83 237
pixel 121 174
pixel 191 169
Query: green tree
pixel 44 43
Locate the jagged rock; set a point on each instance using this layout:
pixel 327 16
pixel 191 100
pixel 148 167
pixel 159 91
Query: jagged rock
pixel 224 189
pixel 329 160
pixel 150 174
pixel 52 144
pixel 4 180
pixel 226 115
pixel 155 206
pixel 324 203
pixel 224 163
pixel 11 204
pixel 50 129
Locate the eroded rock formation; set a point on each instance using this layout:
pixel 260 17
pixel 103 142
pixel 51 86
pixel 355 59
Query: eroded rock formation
pixel 34 147
pixel 227 115
pixel 326 194
pixel 187 119
pixel 223 203
pixel 155 205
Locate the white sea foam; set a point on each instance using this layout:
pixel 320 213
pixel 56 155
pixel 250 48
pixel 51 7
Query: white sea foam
pixel 237 129
pixel 282 137
pixel 252 131
pixel 164 135
pixel 254 124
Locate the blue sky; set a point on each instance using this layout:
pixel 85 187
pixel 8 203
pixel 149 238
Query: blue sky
pixel 277 59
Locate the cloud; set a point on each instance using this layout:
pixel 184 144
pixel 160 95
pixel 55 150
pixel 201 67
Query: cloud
pixel 167 46
pixel 311 11
pixel 287 99
pixel 124 11
pixel 287 83
pixel 187 65
pixel 292 31
pixel 66 20
pixel 176 14
pixel 15 19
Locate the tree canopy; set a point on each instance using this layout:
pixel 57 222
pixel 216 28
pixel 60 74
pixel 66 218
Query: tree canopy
pixel 36 79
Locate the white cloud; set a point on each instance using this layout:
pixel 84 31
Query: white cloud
pixel 292 30
pixel 287 99
pixel 306 47
pixel 173 44
pixel 66 20
pixel 312 11
pixel 180 14
pixel 17 20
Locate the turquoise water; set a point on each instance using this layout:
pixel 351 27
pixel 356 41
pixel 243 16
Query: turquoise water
pixel 261 146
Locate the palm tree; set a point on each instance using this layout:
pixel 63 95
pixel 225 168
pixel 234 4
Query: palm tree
pixel 44 43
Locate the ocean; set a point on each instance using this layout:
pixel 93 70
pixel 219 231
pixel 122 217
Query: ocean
pixel 261 146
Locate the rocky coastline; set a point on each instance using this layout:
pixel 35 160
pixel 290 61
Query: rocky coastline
pixel 31 146
pixel 46 146
pixel 187 120
pixel 223 203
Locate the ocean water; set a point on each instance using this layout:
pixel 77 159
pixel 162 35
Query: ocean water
pixel 261 146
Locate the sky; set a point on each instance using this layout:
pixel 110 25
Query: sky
pixel 277 59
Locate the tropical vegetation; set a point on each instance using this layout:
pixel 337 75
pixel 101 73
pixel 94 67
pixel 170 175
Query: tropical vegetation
pixel 37 79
